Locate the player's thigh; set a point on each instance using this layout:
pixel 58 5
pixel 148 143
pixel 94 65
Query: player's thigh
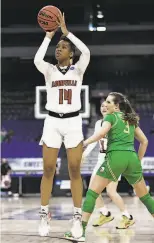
pixel 50 156
pixel 99 183
pixel 51 136
pixel 100 161
pixel 96 168
pixel 112 187
pixel 140 188
pixel 114 165
pixel 74 133
pixel 133 173
pixel 74 156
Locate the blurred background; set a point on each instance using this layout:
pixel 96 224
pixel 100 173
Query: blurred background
pixel 120 36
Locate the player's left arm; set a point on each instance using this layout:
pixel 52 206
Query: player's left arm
pixel 85 52
pixel 106 126
pixel 140 136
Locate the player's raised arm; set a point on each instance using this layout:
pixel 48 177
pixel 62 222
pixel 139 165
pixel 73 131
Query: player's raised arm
pixel 41 65
pixel 85 52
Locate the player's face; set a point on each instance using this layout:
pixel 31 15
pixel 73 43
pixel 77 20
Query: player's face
pixel 103 108
pixel 110 105
pixel 63 51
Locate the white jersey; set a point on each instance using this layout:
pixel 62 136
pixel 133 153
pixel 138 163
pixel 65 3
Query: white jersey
pixel 63 88
pixel 102 142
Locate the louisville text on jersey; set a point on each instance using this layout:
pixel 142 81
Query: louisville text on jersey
pixel 58 83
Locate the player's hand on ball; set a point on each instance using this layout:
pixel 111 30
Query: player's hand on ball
pixel 62 24
pixel 50 34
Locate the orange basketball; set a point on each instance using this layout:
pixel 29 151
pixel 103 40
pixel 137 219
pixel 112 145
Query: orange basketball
pixel 47 18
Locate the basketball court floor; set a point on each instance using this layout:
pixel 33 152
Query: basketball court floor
pixel 19 222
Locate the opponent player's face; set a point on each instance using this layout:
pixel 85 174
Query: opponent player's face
pixel 63 51
pixel 110 105
pixel 103 108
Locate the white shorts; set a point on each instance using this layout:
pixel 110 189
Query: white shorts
pixel 59 130
pixel 101 158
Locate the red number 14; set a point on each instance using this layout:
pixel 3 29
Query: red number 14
pixel 65 94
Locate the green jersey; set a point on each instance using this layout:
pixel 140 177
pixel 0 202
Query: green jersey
pixel 121 134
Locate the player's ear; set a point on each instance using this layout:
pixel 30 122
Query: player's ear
pixel 71 55
pixel 116 106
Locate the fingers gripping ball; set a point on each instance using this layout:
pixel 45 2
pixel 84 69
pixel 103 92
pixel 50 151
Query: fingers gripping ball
pixel 47 18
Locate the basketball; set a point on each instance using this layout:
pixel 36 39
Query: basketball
pixel 47 18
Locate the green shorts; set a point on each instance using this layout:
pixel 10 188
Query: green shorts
pixel 126 163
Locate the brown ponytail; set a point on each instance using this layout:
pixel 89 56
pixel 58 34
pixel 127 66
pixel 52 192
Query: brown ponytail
pixel 125 106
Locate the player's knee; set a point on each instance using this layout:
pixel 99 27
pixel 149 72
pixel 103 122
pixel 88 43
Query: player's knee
pixel 148 202
pixel 111 192
pixel 89 203
pixel 49 170
pixel 74 171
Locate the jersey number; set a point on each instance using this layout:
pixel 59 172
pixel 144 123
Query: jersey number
pixel 126 130
pixel 65 94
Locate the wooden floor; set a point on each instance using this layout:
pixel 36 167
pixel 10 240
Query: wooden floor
pixel 20 221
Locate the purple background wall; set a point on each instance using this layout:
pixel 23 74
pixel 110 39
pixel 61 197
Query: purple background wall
pixel 24 144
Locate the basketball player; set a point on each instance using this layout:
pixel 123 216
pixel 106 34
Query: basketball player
pixel 121 125
pixel 63 123
pixel 105 215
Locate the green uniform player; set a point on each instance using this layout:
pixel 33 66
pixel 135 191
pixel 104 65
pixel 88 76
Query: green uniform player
pixel 121 157
pixel 121 126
